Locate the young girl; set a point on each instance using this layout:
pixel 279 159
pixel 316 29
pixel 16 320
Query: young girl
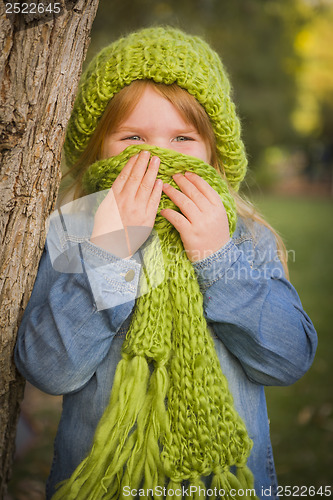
pixel 161 308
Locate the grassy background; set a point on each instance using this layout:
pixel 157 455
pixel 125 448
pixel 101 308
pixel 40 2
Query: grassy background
pixel 301 415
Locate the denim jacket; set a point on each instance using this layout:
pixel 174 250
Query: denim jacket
pixel 71 335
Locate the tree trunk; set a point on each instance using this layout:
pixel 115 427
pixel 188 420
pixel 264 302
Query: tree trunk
pixel 40 63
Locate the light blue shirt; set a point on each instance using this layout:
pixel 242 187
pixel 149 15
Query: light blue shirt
pixel 71 335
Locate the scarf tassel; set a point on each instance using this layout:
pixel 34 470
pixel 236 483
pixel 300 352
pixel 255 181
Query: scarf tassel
pixel 123 453
pixel 241 485
pixel 224 486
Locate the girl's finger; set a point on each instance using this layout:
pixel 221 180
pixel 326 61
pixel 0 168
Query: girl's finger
pixel 178 221
pixel 192 192
pixel 203 187
pixel 148 182
pixel 123 176
pixel 155 197
pixel 183 202
pixel 131 177
pixel 135 177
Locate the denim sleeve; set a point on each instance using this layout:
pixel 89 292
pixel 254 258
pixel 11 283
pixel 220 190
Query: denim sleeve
pixel 64 335
pixel 81 297
pixel 255 310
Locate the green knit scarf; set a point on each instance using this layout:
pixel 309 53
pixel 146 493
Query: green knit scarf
pixel 171 419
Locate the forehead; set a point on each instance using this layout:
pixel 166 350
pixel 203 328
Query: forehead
pixel 152 107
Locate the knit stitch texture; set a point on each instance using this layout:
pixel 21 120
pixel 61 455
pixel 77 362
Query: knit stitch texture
pixel 164 55
pixel 171 418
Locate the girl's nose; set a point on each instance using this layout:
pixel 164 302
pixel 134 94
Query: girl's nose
pixel 160 143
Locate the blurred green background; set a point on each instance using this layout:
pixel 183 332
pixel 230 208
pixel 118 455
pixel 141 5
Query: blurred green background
pixel 280 59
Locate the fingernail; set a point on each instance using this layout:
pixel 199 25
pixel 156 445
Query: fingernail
pixel 155 160
pixel 145 153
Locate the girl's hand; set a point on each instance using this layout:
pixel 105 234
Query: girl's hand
pixel 203 225
pixel 126 216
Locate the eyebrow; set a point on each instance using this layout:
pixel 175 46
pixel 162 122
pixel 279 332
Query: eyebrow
pixel 137 128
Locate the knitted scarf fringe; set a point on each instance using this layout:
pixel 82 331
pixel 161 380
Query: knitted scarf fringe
pixel 142 442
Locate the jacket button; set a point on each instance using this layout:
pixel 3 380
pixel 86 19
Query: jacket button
pixel 129 276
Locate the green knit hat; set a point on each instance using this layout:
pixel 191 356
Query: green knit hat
pixel 164 55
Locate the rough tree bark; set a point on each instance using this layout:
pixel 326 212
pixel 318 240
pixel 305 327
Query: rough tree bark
pixel 40 64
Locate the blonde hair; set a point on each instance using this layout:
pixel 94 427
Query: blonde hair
pixel 120 107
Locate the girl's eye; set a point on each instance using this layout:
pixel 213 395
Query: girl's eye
pixel 181 138
pixel 133 138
